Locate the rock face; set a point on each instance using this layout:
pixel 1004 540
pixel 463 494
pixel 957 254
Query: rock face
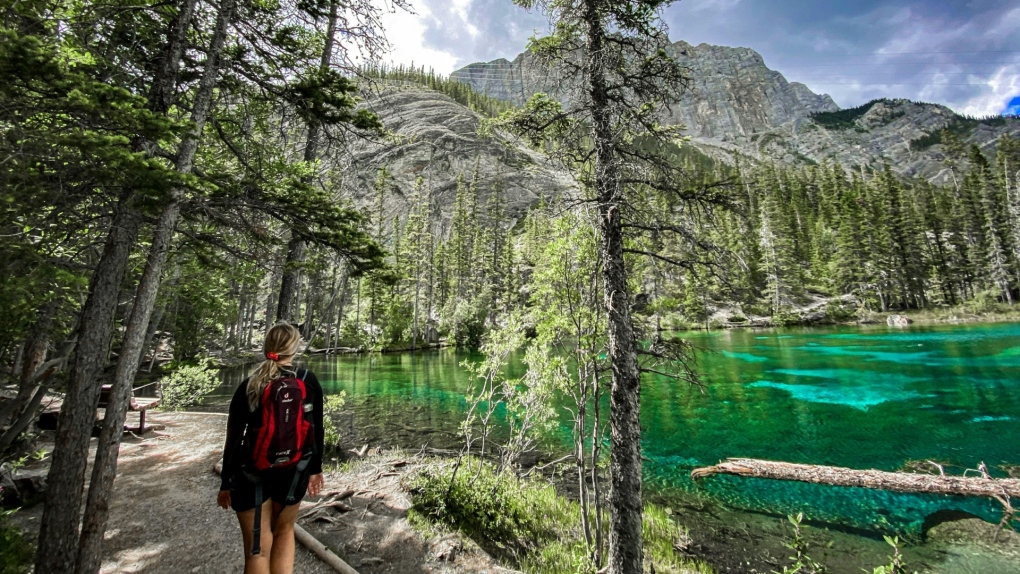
pixel 437 139
pixel 739 107
pixel 734 93
pixel 892 132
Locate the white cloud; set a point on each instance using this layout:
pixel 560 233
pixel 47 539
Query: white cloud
pixel 1002 87
pixel 406 34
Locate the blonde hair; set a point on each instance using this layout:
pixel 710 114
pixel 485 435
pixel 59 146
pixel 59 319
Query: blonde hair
pixel 283 339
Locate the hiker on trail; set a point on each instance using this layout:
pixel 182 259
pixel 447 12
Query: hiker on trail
pixel 273 453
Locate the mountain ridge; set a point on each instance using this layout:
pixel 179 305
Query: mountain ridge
pixel 738 107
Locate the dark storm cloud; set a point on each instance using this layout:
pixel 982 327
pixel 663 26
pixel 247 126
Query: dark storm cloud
pixel 965 54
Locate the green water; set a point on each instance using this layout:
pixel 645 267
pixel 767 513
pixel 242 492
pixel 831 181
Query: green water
pixel 854 397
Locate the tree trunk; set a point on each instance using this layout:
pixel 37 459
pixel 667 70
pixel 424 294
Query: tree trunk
pixel 58 531
pixel 33 354
pixel 26 416
pixel 893 481
pixel 105 468
pixel 150 334
pixel 625 546
pixel 287 309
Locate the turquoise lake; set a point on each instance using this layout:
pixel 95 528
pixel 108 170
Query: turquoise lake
pixel 872 397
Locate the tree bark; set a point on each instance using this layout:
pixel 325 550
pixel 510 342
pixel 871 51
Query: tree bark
pixel 296 249
pixel 58 532
pixel 105 467
pixel 150 334
pixel 625 538
pixel 33 355
pixel 875 479
pixel 26 416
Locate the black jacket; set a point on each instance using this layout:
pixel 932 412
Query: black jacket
pixel 241 417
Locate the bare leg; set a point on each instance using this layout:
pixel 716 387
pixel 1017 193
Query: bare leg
pixel 259 563
pixel 284 517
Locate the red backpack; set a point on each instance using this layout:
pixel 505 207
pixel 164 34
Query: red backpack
pixel 281 440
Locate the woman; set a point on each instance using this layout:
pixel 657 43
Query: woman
pixel 281 489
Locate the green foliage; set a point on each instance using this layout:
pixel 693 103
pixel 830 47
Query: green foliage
pixel 464 320
pixel 461 92
pixel 844 119
pixel 332 405
pixel 525 523
pixel 801 562
pixel 16 553
pixel 958 127
pixel 186 386
pixel 896 563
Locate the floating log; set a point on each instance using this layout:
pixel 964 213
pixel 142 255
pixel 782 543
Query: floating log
pixel 1000 489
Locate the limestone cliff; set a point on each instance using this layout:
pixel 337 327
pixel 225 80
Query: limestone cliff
pixel 738 106
pixel 436 138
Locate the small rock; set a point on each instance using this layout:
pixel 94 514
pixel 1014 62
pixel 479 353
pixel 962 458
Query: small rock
pixel 446 549
pixel 898 321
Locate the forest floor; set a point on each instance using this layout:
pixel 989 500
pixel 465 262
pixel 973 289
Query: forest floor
pixel 164 518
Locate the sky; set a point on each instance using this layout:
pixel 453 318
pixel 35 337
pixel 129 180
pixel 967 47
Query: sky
pixel 961 53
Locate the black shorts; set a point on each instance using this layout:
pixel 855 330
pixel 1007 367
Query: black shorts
pixel 276 485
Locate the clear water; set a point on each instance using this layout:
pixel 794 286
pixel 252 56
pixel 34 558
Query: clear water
pixel 855 397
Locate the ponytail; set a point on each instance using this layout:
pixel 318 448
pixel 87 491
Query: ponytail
pixel 259 380
pixel 282 341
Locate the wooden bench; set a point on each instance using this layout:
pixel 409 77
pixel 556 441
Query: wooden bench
pixel 139 404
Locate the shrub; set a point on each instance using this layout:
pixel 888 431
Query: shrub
pixel 15 552
pixel 187 385
pixel 526 523
pixel 840 311
pixel 332 405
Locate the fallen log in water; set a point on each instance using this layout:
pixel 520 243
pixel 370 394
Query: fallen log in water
pixel 1001 489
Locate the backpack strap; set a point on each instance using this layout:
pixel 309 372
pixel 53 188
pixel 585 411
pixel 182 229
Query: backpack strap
pixel 256 531
pixel 299 471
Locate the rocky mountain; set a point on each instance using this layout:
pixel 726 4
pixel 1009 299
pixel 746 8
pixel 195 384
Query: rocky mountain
pixel 436 138
pixel 739 107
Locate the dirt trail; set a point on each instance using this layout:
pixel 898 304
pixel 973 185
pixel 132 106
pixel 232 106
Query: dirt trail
pixel 164 518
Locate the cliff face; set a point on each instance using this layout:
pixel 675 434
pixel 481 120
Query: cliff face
pixel 739 107
pixel 900 133
pixel 437 139
pixel 734 94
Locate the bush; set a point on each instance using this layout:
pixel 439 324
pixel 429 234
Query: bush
pixel 187 385
pixel 15 552
pixel 464 320
pixel 985 302
pixel 332 405
pixel 526 523
pixel 840 311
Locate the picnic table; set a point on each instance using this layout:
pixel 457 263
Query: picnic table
pixel 138 404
